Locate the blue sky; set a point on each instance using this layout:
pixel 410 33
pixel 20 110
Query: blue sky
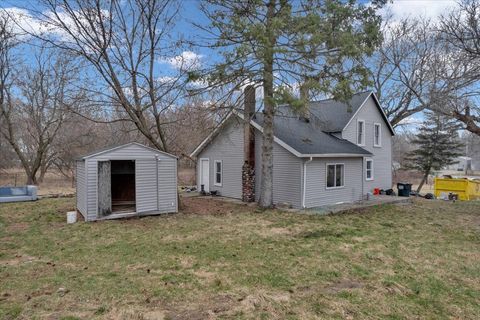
pixel 190 12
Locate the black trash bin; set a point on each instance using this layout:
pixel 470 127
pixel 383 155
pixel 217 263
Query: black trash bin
pixel 404 189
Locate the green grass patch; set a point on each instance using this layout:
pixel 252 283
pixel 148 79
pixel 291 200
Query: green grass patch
pixel 392 262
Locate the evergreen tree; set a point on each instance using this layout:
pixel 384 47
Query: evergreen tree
pixel 438 144
pixel 276 44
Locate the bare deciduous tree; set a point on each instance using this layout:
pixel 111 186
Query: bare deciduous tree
pixel 461 31
pixel 400 69
pixel 124 42
pixel 35 110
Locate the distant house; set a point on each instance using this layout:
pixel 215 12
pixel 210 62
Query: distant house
pixel 337 152
pixel 461 163
pixel 126 180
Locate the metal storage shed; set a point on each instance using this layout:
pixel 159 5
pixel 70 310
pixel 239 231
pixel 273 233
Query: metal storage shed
pixel 126 180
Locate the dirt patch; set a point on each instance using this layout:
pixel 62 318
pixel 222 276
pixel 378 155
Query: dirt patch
pixel 215 307
pixel 205 205
pixel 344 284
pixel 17 227
pixel 186 176
pixel 274 231
pixel 19 259
pixel 134 313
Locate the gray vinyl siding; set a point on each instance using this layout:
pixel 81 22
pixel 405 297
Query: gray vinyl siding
pixel 81 187
pixel 167 178
pixel 317 193
pixel 146 185
pixel 287 174
pixel 92 200
pixel 146 175
pixel 382 156
pixel 227 146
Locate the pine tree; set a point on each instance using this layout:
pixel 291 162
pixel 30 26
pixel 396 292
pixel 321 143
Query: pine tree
pixel 277 43
pixel 438 144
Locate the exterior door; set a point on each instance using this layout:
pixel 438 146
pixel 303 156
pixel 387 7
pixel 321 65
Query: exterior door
pixel 205 174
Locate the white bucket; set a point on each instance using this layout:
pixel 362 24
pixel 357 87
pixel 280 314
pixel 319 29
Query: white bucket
pixel 71 217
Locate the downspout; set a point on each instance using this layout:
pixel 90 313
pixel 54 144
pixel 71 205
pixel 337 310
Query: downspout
pixel 363 176
pixel 305 180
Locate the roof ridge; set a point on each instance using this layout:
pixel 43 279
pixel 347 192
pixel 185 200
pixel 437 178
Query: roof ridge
pixel 330 99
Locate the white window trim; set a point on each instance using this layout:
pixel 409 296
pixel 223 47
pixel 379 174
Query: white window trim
pixel 362 143
pixel 373 173
pixel 379 134
pixel 335 177
pixel 215 183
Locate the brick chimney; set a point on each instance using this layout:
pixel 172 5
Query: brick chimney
pixel 248 169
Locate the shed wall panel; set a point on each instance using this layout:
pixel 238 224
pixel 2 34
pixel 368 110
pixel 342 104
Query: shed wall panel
pixel 92 177
pixel 167 186
pixel 146 185
pixel 81 187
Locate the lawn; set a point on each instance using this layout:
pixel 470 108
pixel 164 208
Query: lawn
pixel 231 261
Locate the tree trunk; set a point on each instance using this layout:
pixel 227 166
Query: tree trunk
pixel 31 179
pixel 424 178
pixel 43 170
pixel 266 187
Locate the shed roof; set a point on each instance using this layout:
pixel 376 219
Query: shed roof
pixel 120 146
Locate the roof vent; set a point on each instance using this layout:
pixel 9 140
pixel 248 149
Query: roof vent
pixel 304 119
pixel 307 140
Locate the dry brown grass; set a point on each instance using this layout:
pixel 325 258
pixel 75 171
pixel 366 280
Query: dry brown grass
pixel 186 176
pixel 54 182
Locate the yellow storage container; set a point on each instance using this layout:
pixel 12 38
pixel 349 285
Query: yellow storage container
pixel 465 188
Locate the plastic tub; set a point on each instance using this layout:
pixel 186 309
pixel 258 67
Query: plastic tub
pixel 71 217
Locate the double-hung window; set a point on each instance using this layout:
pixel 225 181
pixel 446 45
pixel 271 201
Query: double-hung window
pixel 335 175
pixel 369 169
pixel 377 135
pixel 361 132
pixel 218 173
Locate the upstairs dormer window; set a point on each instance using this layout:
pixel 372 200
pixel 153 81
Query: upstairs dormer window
pixel 377 135
pixel 361 132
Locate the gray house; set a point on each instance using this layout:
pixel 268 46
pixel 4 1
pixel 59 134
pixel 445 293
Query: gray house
pixel 127 180
pixel 335 153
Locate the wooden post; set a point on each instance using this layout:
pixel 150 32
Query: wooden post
pixel 104 188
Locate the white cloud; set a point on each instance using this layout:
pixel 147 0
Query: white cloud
pixel 24 24
pixel 430 9
pixel 21 22
pixel 186 61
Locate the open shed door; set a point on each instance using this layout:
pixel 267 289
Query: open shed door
pixel 146 183
pixel 104 188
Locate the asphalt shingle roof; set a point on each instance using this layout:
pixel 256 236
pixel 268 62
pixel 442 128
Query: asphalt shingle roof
pixel 333 116
pixel 317 136
pixel 306 138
